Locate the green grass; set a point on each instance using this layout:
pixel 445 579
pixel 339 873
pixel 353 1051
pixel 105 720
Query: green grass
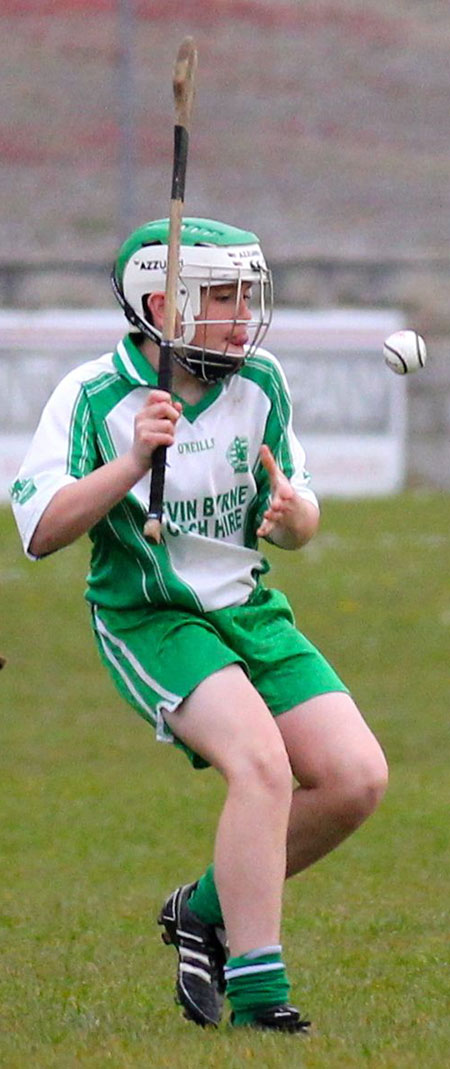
pixel 98 822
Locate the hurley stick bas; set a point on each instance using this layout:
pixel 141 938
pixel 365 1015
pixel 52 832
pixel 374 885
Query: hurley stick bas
pixel 183 90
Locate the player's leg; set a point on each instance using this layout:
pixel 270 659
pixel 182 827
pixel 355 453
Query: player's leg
pixel 341 770
pixel 227 723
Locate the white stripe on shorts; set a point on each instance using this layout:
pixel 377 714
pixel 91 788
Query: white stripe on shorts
pixel 172 699
pixel 130 686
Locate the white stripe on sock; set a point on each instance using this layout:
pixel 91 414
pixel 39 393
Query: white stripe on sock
pixel 261 951
pixel 249 970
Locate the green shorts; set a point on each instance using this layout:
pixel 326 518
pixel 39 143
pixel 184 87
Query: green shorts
pixel 158 657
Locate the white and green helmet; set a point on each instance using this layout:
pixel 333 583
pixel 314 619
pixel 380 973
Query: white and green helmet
pixel 211 254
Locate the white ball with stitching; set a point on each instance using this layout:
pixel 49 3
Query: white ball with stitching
pixel 405 351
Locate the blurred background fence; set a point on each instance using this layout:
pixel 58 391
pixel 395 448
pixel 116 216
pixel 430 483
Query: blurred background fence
pixel 322 125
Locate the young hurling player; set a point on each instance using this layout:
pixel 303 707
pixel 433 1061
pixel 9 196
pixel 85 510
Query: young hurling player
pixel 190 634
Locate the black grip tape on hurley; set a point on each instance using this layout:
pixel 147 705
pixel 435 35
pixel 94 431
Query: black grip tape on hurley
pixel 155 507
pixel 180 152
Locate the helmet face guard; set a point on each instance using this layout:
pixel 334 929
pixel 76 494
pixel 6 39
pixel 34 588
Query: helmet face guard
pixel 211 254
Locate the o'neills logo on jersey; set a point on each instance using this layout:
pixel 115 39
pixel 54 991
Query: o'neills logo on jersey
pixel 237 454
pixel 196 447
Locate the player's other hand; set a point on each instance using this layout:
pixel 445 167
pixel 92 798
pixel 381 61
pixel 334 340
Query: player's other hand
pixel 154 425
pixel 282 496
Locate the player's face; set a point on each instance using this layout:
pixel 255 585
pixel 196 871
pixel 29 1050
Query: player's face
pixel 226 312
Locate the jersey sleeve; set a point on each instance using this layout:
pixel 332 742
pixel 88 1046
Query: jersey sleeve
pixel 279 435
pixel 63 449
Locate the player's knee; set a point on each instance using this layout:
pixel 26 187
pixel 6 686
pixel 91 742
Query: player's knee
pixel 264 768
pixel 361 789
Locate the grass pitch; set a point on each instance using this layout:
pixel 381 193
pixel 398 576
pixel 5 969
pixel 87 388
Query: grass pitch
pixel 98 822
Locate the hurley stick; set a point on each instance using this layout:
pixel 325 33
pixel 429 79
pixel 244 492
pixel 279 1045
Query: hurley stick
pixel 183 90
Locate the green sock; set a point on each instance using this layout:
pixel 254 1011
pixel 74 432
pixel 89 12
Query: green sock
pixel 254 981
pixel 204 900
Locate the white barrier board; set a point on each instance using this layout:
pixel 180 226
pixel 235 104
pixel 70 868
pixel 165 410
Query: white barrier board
pixel 349 410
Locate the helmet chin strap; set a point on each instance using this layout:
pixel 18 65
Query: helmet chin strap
pixel 208 365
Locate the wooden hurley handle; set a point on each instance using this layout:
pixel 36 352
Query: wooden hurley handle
pixel 183 91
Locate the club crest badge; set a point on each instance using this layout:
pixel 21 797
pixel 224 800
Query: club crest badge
pixel 22 490
pixel 237 454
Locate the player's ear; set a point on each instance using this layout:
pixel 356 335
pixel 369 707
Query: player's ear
pixel 155 305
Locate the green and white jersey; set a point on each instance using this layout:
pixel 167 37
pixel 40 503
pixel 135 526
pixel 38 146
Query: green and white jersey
pixel 216 488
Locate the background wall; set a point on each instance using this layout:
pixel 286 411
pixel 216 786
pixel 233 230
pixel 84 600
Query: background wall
pixel 324 126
